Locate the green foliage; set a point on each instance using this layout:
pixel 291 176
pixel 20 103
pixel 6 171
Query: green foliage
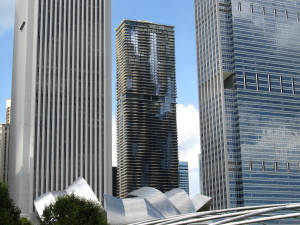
pixel 25 221
pixel 73 210
pixel 9 212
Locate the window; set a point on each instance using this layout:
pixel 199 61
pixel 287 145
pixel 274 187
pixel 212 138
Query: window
pixel 250 165
pixel 286 14
pixel 263 165
pixel 298 16
pixel 281 86
pixel 22 26
pixel 275 12
pixel 276 166
pixel 245 80
pixel 239 6
pixel 251 8
pixel 293 85
pixel 288 167
pixel 264 10
pixel 257 81
pixel 269 82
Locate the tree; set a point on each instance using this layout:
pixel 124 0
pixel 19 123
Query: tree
pixel 9 212
pixel 71 209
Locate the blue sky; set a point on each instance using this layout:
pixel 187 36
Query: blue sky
pixel 179 13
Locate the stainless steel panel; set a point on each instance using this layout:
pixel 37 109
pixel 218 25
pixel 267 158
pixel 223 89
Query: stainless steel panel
pixel 43 201
pixel 81 188
pixel 157 199
pixel 180 200
pixel 201 202
pixel 115 210
pixel 135 210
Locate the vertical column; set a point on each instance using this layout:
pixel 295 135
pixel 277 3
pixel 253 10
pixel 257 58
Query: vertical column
pixel 48 76
pixel 63 96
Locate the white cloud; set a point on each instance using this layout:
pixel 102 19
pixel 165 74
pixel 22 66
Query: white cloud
pixel 7 9
pixel 188 142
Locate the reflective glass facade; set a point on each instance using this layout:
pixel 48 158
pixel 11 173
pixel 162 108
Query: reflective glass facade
pixel 146 107
pixel 249 88
pixel 184 176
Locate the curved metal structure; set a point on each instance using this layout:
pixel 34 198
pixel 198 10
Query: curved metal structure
pixel 129 210
pixel 150 205
pixel 281 213
pixel 201 202
pixel 79 187
pixel 115 209
pixel 180 199
pixel 157 199
pixel 42 202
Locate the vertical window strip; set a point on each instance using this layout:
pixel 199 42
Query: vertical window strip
pixel 298 16
pixel 286 14
pixel 245 80
pixel 276 166
pixel 281 86
pixel 240 6
pixel 269 82
pixel 275 12
pixel 293 85
pixel 264 10
pixel 250 165
pixel 263 165
pixel 257 81
pixel 251 8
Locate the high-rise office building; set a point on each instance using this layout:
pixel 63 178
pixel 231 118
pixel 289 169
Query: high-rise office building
pixel 61 98
pixel 146 106
pixel 183 169
pixel 4 144
pixel 8 111
pixel 115 181
pixel 249 93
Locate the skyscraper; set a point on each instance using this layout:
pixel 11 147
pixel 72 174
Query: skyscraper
pixel 4 146
pixel 8 111
pixel 183 168
pixel 146 106
pixel 249 85
pixel 61 98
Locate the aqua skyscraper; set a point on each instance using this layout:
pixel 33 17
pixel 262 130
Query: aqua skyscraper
pixel 146 107
pixel 249 94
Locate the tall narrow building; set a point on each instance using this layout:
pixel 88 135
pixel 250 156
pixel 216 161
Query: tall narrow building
pixel 183 169
pixel 146 106
pixel 249 94
pixel 61 98
pixel 8 111
pixel 4 151
pixel 4 144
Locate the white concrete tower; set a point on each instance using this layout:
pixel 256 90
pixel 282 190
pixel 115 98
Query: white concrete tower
pixel 61 98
